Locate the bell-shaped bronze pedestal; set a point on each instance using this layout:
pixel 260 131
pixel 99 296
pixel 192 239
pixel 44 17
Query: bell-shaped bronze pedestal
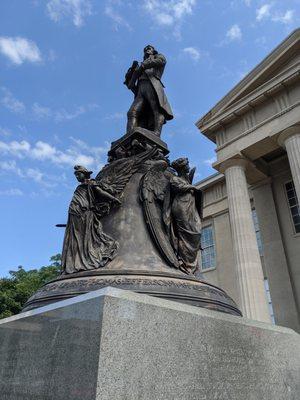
pixel 138 266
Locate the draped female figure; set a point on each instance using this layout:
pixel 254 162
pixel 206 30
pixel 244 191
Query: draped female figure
pixel 86 246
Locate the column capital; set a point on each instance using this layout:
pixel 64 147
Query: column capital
pixel 287 133
pixel 234 161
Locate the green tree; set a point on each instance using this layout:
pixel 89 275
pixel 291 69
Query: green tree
pixel 20 285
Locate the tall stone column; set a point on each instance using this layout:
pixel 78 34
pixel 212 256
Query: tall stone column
pixel 290 139
pixel 247 259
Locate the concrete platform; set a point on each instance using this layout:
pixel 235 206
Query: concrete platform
pixel 115 344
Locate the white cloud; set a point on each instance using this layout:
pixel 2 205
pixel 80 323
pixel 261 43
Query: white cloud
pixel 234 33
pixel 116 116
pixel 10 166
pixel 96 151
pixel 263 12
pixel 285 18
pixel 77 10
pixel 11 192
pixel 164 13
pixel 63 115
pixel 4 132
pixel 110 10
pixel 44 151
pixel 268 12
pixel 168 12
pixel 19 50
pixel 80 153
pixel 261 41
pixel 210 161
pixel 10 102
pixel 193 53
pixel 42 112
pixel 34 174
pixel 15 148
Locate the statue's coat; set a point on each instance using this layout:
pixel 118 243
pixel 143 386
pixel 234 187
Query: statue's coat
pixel 154 68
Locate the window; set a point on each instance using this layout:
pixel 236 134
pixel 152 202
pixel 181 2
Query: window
pixel 293 204
pixel 208 255
pixel 267 289
pixel 257 233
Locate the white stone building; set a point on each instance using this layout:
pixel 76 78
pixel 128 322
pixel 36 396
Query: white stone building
pixel 251 227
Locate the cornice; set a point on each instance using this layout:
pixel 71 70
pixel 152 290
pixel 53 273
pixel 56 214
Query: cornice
pixel 267 120
pixel 254 98
pixel 292 40
pixel 206 125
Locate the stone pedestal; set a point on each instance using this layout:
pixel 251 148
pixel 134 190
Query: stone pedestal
pixel 141 135
pixel 247 260
pixel 115 344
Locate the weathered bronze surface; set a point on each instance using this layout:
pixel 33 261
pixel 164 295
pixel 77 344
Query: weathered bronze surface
pixel 137 224
pixel 150 108
pixel 86 246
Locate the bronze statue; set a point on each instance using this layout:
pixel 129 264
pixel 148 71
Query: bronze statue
pixel 150 108
pixel 137 225
pixel 186 231
pixel 173 208
pixel 86 246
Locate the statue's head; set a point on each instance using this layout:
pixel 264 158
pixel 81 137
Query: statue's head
pixel 149 51
pixel 82 173
pixel 181 164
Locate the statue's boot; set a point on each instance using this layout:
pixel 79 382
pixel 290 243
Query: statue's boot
pixel 159 120
pixel 132 123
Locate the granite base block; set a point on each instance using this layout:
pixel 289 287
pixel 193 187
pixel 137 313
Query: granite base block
pixel 114 344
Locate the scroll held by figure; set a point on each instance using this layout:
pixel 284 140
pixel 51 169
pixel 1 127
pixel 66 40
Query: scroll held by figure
pixel 150 108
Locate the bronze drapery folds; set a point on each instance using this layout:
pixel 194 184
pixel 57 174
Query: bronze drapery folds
pixel 172 208
pixel 137 224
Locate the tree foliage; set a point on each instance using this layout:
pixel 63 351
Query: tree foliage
pixel 20 285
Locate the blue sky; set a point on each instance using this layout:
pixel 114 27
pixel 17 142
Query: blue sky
pixel 62 98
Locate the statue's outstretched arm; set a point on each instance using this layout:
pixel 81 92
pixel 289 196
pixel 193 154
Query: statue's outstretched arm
pixel 104 195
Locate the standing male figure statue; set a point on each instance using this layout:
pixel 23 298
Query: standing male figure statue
pixel 150 108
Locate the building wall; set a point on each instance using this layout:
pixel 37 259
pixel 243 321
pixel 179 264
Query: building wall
pixel 281 246
pixel 250 126
pixel 275 256
pixel 291 240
